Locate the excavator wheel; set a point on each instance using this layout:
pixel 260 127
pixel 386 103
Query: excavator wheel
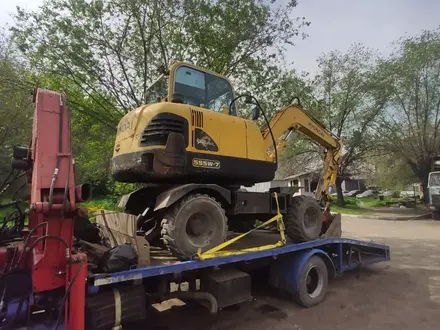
pixel 196 221
pixel 303 219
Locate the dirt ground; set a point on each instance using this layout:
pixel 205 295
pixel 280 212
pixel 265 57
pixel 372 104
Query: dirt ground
pixel 401 294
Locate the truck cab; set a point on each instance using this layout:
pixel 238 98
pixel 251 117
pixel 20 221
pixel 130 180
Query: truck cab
pixel 434 189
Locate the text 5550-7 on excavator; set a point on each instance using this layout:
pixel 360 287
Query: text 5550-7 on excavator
pixel 194 153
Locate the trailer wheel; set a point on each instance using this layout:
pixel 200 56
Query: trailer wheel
pixel 196 221
pixel 303 219
pixel 312 283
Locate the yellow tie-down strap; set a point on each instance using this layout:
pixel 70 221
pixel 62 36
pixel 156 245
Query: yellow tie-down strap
pixel 216 251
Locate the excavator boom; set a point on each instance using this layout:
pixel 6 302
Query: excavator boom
pixel 294 118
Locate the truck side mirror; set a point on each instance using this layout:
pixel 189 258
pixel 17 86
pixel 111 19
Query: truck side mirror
pixel 255 112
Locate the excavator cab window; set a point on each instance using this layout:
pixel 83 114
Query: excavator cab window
pixel 157 90
pixel 200 88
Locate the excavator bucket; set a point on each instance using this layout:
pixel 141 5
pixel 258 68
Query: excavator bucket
pixel 332 226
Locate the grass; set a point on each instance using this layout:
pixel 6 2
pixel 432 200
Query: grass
pixel 376 202
pixel 360 206
pixel 350 209
pixel 353 205
pixel 109 203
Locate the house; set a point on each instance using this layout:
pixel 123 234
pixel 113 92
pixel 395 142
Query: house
pixel 306 182
pixel 308 170
pixel 266 186
pixel 354 184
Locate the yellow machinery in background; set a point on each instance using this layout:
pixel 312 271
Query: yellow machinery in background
pixel 194 153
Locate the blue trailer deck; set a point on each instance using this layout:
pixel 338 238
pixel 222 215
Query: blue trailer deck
pixel 343 253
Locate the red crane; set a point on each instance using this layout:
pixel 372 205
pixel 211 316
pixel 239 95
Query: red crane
pixel 46 251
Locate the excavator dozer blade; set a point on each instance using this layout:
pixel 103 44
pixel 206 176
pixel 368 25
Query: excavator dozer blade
pixel 335 228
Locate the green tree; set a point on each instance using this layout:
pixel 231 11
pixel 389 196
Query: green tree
pixel 105 53
pixel 286 85
pixel 343 96
pixel 92 139
pixel 111 49
pixel 392 173
pixel 410 128
pixel 15 103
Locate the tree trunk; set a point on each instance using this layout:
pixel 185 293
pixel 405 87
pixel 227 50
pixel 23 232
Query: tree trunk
pixel 425 189
pixel 340 201
pixel 421 170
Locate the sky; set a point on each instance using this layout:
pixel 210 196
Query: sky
pixel 335 24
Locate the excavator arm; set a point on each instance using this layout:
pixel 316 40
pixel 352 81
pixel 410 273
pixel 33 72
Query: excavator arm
pixel 294 118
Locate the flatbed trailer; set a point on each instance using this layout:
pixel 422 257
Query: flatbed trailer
pixel 299 271
pixel 340 255
pixel 48 281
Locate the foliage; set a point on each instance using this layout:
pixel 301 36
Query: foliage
pixel 362 206
pixel 105 53
pixel 4 212
pixel 111 49
pixel 15 104
pixel 301 154
pixel 392 172
pixel 341 96
pixel 108 203
pixel 409 129
pixel 347 104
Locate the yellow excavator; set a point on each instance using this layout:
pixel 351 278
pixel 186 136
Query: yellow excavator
pixel 194 155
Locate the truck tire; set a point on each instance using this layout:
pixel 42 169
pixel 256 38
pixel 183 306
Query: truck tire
pixel 312 283
pixel 196 221
pixel 303 219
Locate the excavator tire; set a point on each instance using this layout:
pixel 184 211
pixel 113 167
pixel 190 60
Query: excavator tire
pixel 196 221
pixel 303 219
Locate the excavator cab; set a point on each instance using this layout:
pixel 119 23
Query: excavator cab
pixel 187 84
pixel 201 89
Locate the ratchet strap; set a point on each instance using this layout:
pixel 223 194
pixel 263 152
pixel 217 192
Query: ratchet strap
pixel 217 250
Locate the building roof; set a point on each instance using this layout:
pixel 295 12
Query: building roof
pixel 295 176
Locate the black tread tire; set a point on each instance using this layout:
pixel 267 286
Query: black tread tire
pixel 174 222
pixel 302 297
pixel 435 215
pixel 294 219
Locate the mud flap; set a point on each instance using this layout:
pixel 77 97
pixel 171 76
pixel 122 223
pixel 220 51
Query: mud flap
pixel 335 227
